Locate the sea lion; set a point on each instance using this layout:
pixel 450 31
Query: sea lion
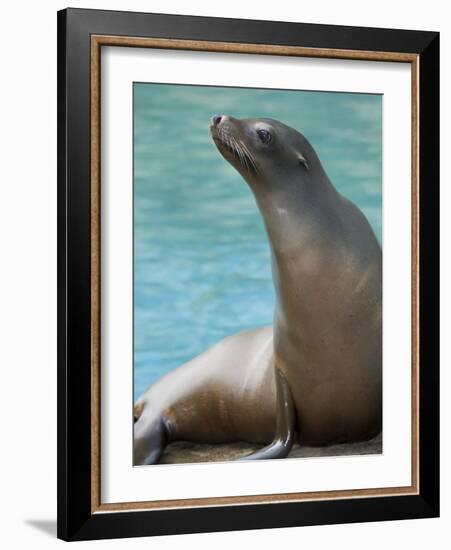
pixel 317 374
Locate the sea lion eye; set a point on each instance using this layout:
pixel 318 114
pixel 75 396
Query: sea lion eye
pixel 264 135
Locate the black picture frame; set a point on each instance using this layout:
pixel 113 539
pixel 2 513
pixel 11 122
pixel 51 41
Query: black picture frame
pixel 76 519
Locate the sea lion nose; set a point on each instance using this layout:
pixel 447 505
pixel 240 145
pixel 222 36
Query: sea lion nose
pixel 216 119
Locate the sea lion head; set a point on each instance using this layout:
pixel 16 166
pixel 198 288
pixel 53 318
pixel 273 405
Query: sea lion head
pixel 263 150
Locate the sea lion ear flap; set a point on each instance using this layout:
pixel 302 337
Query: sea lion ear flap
pixel 303 161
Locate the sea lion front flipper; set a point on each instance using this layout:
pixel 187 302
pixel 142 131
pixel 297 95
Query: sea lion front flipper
pixel 285 424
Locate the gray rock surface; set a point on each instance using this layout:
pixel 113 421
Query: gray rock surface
pixel 185 452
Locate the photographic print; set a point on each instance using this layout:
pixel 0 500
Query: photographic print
pixel 248 264
pixel 257 290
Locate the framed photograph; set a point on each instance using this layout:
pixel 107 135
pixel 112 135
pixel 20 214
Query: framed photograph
pixel 248 274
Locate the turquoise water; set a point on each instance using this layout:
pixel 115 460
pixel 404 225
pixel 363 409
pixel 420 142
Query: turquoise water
pixel 201 259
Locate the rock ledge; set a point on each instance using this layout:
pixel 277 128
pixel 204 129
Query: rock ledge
pixel 186 452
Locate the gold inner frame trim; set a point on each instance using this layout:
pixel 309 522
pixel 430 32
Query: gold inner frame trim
pixel 97 41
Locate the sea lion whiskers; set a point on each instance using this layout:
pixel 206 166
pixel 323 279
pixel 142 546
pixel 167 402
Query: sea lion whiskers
pixel 249 156
pixel 245 156
pixel 238 149
pixel 240 152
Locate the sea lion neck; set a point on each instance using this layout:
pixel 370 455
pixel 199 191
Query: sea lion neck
pixel 302 228
pixel 296 209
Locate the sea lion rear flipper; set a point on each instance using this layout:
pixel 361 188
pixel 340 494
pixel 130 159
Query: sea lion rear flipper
pixel 285 424
pixel 149 438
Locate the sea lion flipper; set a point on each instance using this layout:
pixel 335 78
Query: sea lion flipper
pixel 285 424
pixel 150 436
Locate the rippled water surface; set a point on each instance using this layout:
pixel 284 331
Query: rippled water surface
pixel 201 258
